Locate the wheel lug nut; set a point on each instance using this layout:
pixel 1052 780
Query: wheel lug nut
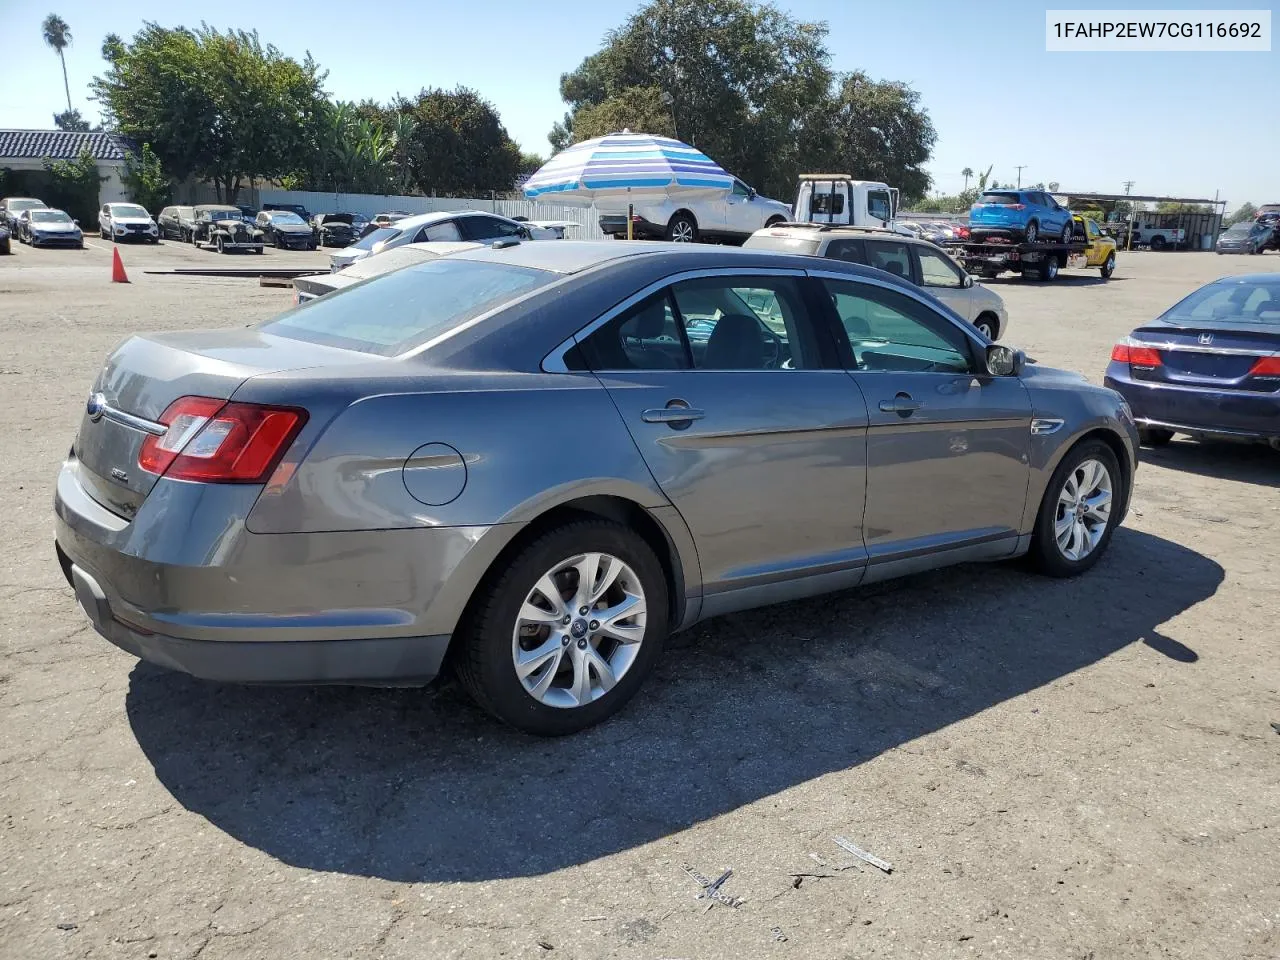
pixel 595 624
pixel 565 619
pixel 564 641
pixel 582 644
pixel 583 610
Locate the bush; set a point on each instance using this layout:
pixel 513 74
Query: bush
pixel 73 186
pixel 145 180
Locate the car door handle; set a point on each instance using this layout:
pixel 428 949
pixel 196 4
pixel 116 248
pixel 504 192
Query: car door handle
pixel 673 414
pixel 903 403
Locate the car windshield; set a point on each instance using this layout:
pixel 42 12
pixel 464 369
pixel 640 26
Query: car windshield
pixel 286 217
pixel 128 210
pixel 1003 199
pixel 397 311
pixel 49 216
pixel 16 206
pixel 1231 301
pixel 220 214
pixel 377 236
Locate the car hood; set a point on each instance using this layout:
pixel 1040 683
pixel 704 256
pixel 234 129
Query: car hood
pixel 126 221
pixel 290 228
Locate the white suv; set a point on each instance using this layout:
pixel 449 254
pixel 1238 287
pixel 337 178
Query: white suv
pixel 733 216
pixel 126 221
pixel 911 258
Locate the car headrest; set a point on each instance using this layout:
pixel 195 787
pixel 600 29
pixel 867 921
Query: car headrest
pixel 651 321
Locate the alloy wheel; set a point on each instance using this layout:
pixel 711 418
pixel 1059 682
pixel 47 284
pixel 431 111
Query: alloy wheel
pixel 682 232
pixel 1084 509
pixel 579 630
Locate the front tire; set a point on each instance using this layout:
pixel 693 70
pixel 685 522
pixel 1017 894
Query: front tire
pixel 1079 512
pixel 682 229
pixel 218 243
pixel 1109 267
pixel 522 662
pixel 1067 232
pixel 987 326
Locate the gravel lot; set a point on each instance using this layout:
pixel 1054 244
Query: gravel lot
pixel 1062 770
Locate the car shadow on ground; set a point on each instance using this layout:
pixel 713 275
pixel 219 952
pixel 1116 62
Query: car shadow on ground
pixel 412 785
pixel 1223 460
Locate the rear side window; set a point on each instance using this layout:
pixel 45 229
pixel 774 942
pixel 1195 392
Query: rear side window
pixel 849 250
pixel 890 256
pixel 1002 199
pixel 783 243
pixel 395 312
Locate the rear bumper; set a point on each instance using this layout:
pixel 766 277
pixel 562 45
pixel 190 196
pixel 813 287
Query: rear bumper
pixel 186 586
pixel 1241 415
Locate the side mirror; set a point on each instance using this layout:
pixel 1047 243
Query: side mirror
pixel 1004 361
pixel 967 282
pixel 751 193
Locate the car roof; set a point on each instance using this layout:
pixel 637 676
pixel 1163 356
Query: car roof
pixel 1270 279
pixel 823 231
pixel 216 206
pixel 423 219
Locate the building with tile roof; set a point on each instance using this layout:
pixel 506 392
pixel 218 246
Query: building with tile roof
pixel 28 149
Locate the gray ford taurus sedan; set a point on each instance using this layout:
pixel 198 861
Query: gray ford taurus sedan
pixel 533 462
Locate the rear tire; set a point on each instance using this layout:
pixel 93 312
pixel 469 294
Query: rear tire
pixel 682 229
pixel 1032 233
pixel 1154 436
pixel 484 658
pixel 1049 268
pixel 1157 242
pixel 1058 510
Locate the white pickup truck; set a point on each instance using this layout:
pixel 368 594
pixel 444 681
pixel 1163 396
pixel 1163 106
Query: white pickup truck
pixel 838 198
pixel 1156 237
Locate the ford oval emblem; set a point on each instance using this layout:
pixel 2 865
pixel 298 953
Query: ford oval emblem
pixel 96 407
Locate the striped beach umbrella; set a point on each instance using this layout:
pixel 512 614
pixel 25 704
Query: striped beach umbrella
pixel 626 163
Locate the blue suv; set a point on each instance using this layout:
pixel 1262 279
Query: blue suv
pixel 1028 215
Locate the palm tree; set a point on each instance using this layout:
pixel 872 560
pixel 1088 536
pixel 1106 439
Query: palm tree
pixel 58 36
pixel 967 172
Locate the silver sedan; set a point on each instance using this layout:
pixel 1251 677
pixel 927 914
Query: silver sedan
pixel 529 464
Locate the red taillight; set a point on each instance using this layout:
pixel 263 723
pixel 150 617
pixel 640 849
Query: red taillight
pixel 1266 367
pixel 1136 356
pixel 1019 206
pixel 214 441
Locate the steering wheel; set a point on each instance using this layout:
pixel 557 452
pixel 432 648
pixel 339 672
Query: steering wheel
pixel 771 360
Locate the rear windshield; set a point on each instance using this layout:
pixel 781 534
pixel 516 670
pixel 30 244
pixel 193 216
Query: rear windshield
pixel 1231 302
pixel 785 244
pixel 376 236
pixel 1003 199
pixel 398 311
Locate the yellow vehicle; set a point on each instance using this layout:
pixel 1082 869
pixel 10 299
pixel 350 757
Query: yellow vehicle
pixel 1099 250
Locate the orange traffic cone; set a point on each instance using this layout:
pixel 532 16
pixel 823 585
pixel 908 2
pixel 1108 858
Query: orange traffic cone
pixel 117 268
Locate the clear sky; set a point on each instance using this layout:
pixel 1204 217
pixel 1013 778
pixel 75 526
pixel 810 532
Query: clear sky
pixel 1185 124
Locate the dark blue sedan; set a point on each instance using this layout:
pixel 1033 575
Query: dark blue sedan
pixel 1209 366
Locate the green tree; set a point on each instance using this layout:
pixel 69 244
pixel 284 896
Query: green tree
pixel 145 179
pixel 72 121
pixel 223 107
pixel 752 88
pixel 878 129
pixel 967 173
pixel 459 145
pixel 638 109
pixel 1244 212
pixel 57 35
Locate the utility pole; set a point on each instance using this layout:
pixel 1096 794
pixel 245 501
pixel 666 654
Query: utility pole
pixel 1020 169
pixel 1128 184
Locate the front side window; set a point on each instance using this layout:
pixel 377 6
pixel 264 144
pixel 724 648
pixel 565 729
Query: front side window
pixel 878 205
pixel 936 270
pixel 890 331
pixel 740 189
pixel 891 256
pixel 488 228
pixel 713 323
pixel 1091 228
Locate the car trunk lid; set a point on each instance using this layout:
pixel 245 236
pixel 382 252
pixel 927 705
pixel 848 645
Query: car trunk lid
pixel 145 374
pixel 1214 357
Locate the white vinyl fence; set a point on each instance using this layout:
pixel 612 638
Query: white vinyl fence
pixel 587 218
